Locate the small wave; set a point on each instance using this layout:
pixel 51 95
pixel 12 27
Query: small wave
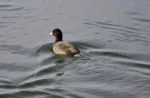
pixel 117 25
pixel 35 82
pixel 55 58
pixel 133 13
pixel 134 63
pixel 85 45
pixel 109 53
pixel 5 84
pixel 42 70
pixel 12 67
pixel 10 7
pixel 22 93
pixel 42 49
pixel 2 81
pixel 142 20
pixel 113 26
pixel 5 5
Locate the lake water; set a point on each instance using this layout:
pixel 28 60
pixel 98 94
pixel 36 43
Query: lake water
pixel 112 35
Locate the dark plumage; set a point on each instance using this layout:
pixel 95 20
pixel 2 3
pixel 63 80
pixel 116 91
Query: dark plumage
pixel 63 48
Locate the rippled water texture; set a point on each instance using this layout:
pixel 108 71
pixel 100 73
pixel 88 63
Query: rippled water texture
pixel 112 35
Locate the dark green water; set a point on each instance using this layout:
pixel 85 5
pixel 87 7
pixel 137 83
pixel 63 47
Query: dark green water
pixel 112 35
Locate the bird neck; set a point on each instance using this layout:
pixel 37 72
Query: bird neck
pixel 58 39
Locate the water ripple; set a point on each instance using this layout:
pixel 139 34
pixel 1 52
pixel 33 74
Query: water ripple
pixel 36 82
pixel 44 70
pixel 116 25
pixel 134 63
pixel 10 7
pixel 112 26
pixel 12 67
pixel 96 63
pixel 142 20
pixel 15 49
pixel 22 93
pixel 5 5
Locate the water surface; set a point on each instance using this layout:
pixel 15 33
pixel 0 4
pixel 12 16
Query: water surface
pixel 112 35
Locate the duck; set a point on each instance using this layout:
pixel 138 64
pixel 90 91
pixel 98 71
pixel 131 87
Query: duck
pixel 61 47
